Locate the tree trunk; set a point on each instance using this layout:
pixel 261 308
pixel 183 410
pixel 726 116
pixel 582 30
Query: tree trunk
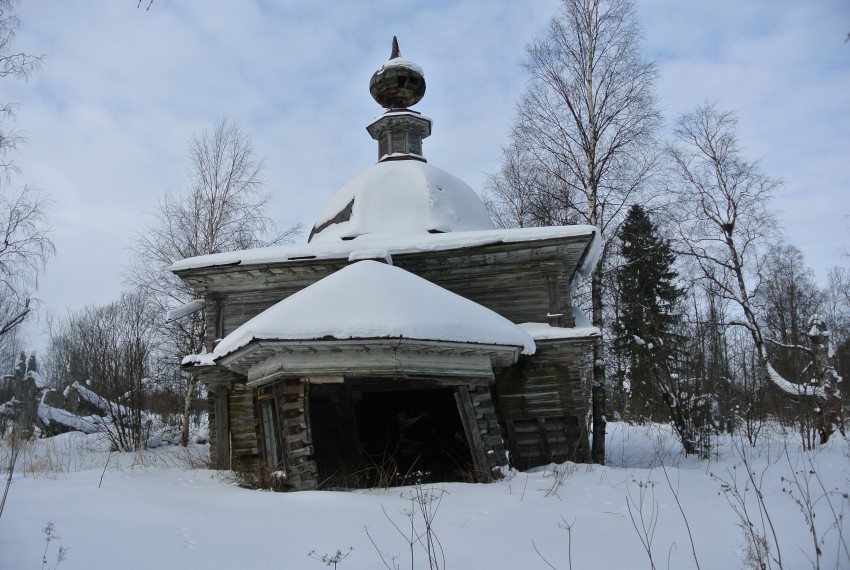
pixel 597 391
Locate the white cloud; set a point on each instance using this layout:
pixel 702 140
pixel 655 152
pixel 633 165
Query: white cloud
pixel 122 89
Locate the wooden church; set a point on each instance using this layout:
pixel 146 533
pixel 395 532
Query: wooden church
pixel 407 337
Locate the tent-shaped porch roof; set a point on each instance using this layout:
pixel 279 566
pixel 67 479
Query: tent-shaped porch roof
pixel 374 317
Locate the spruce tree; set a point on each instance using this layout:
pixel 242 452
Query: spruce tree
pixel 643 332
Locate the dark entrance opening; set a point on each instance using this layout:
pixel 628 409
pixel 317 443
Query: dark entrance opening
pixel 419 430
pixel 371 437
pixel 333 429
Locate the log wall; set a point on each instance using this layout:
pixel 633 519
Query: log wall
pixel 543 404
pixel 243 435
pixel 290 395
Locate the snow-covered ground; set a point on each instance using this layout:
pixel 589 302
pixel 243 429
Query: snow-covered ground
pixel 156 510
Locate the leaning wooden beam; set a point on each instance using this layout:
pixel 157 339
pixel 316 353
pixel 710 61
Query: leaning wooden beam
pixel 473 435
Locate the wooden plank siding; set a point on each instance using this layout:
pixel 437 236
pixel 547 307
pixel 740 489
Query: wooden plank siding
pixel 539 441
pixel 243 435
pixel 546 387
pixel 500 293
pixel 239 309
pixel 512 280
pixel 519 292
pixel 522 295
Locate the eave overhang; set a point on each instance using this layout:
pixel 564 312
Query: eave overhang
pixel 577 246
pixel 262 361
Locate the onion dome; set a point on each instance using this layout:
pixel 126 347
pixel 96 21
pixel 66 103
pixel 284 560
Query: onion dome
pixel 401 194
pixel 399 83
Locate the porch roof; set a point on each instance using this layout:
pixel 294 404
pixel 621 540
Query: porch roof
pixel 370 317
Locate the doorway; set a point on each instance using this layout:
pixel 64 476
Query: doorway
pixel 366 434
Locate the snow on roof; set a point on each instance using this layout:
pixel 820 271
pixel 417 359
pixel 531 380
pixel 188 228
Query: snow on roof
pixel 374 254
pixel 185 310
pixel 368 300
pixel 397 245
pixel 203 359
pixel 543 331
pixel 401 113
pixel 401 196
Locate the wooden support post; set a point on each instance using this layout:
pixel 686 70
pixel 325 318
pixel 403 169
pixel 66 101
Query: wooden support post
pixel 473 434
pixel 222 427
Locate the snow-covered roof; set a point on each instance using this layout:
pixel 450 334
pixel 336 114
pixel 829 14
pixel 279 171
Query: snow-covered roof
pixel 399 244
pixel 401 197
pixel 202 359
pixel 368 300
pixel 544 331
pixel 185 310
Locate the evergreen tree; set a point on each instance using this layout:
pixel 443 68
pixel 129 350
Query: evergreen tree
pixel 643 332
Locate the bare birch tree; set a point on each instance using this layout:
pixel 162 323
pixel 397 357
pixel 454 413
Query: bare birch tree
pixel 722 205
pixel 725 226
pixel 25 245
pixel 521 194
pixel 224 209
pixel 12 64
pixel 109 349
pixel 585 127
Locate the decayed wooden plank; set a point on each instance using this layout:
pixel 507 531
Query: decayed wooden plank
pixel 242 431
pixel 301 469
pixel 473 436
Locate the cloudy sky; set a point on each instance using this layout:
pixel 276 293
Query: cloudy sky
pixel 122 89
